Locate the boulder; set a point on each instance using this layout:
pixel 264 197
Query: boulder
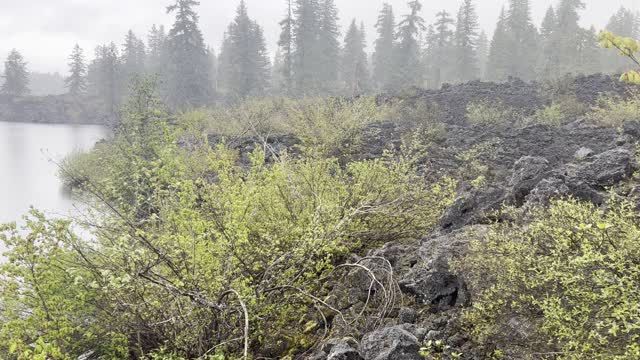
pixel 440 289
pixel 583 153
pixel 607 169
pixel 527 173
pixel 391 343
pixel 473 207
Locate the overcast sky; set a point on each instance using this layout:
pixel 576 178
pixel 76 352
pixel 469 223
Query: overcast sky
pixel 46 30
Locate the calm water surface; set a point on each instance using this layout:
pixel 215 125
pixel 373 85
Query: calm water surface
pixel 28 173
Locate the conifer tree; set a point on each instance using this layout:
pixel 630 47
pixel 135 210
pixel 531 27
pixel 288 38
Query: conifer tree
pixel 328 46
pixel 105 78
pixel 465 42
pixel 249 65
pixel 443 50
pixel 76 82
pixel 483 54
pixel 548 54
pixel 157 50
pixel 355 73
pixel 626 24
pixel 408 70
pixel 567 40
pixel 498 65
pixel 306 46
pixel 188 70
pixel 133 57
pixel 16 75
pixel 522 40
pixel 383 60
pixel 285 49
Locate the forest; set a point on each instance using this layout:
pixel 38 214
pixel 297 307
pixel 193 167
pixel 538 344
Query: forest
pixel 442 196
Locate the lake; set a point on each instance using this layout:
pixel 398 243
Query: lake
pixel 28 172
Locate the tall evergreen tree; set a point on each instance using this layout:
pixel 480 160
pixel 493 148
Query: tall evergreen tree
pixel 548 54
pixel 16 75
pixel 498 65
pixel 623 23
pixel 483 53
pixel 249 64
pixel 285 44
pixel 408 70
pixel 383 60
pixel 567 40
pixel 466 39
pixel 328 46
pixel 522 40
pixel 133 57
pixel 76 82
pixel 355 73
pixel 189 70
pixel 157 50
pixel 443 50
pixel 306 46
pixel 105 78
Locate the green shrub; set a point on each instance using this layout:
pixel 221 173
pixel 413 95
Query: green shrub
pixel 565 284
pixel 185 238
pixel 485 113
pixel 615 111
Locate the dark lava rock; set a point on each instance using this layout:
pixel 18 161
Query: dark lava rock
pixel 631 128
pixel 343 351
pixel 527 173
pixel 391 343
pixel 608 168
pixel 273 146
pixel 473 207
pixel 407 315
pixel 440 289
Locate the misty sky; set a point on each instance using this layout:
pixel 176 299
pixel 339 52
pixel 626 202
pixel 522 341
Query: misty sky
pixel 46 30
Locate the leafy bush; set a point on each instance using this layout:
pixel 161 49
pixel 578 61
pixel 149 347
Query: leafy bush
pixel 561 111
pixel 615 111
pixel 484 113
pixel 565 284
pixel 192 250
pixel 322 124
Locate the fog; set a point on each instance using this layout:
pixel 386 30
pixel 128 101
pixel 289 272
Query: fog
pixel 46 30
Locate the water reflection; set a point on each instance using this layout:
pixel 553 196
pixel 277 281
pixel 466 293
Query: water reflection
pixel 28 173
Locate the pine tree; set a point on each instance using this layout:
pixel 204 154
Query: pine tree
pixel 623 23
pixel 188 70
pixel 105 78
pixel 355 73
pixel 306 46
pixel 383 59
pixel 16 75
pixel 522 40
pixel 483 53
pixel 548 55
pixel 465 42
pixel 328 46
pixel 443 49
pixel 407 55
pixel 157 50
pixel 248 63
pixel 567 40
pixel 498 65
pixel 133 57
pixel 285 44
pixel 76 82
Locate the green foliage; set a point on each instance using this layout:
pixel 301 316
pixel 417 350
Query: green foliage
pixel 185 237
pixel 627 47
pixel 323 125
pixel 563 110
pixel 484 113
pixel 564 284
pixel 615 111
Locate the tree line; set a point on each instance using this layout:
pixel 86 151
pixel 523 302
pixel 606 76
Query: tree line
pixel 314 57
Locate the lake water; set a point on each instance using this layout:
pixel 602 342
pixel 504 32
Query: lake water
pixel 28 173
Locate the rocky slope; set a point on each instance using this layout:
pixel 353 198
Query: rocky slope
pixel 522 166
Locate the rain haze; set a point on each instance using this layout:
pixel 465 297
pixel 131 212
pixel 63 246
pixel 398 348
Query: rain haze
pixel 45 31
